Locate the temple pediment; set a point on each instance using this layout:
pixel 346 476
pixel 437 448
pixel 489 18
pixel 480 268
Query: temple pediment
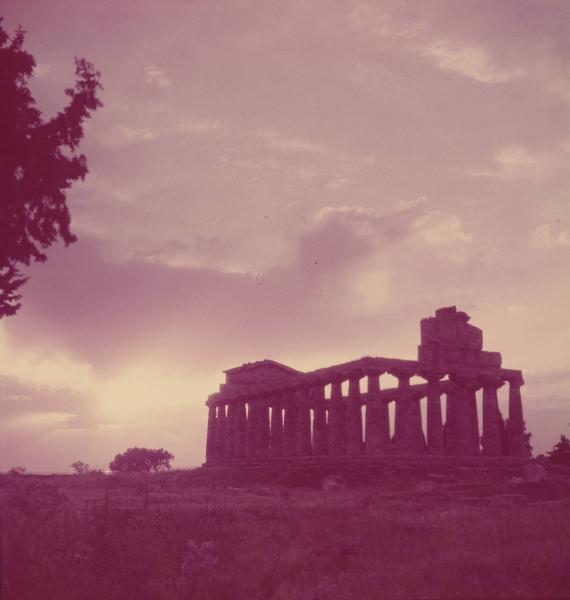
pixel 261 372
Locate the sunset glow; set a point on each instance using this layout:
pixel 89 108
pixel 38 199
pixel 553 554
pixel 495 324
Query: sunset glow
pixel 300 181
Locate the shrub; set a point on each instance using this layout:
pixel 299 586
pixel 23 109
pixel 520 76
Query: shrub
pixel 141 460
pixel 560 453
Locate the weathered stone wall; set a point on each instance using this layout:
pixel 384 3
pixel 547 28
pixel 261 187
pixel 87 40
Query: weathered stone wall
pixel 449 339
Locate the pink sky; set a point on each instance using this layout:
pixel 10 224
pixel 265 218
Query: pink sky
pixel 302 181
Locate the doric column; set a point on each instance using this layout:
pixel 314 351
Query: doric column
pixel 303 423
pixel 377 421
pixel 337 420
pixel 353 418
pixel 230 430
pixel 402 437
pixel 211 434
pixel 290 426
pixel 463 430
pixel 449 426
pixel 320 432
pixel 262 429
pixel 434 419
pixel 516 426
pixel 240 430
pixel 417 442
pixel 492 440
pixel 221 432
pixel 276 436
pixel 251 428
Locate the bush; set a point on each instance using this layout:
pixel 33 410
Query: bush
pixel 141 460
pixel 17 471
pixel 560 454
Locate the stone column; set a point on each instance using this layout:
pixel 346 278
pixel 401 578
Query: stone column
pixel 262 430
pixel 303 423
pixel 221 432
pixel 474 420
pixel 463 433
pixel 290 426
pixel 230 430
pixel 320 432
pixel 251 428
pixel 434 420
pixel 417 442
pixel 492 441
pixel 337 420
pixel 353 418
pixel 402 434
pixel 211 434
pixel 276 438
pixel 450 420
pixel 377 421
pixel 516 426
pixel 240 430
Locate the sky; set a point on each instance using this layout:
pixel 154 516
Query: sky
pixel 300 181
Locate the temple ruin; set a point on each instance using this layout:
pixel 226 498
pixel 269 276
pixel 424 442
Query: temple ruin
pixel 268 411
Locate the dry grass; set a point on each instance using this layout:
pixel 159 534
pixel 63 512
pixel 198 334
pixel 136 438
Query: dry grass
pixel 82 537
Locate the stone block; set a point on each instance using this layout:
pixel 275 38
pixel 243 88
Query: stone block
pixel 447 331
pixel 429 331
pixel 447 312
pixel 495 359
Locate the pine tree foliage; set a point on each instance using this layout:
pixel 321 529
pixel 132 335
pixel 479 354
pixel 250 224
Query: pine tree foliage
pixel 38 163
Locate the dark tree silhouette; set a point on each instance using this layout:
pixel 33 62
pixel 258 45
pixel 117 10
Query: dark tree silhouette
pixel 38 163
pixel 560 453
pixel 141 460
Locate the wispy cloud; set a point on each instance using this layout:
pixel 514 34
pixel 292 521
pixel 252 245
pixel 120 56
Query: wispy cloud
pixel 275 139
pixel 444 233
pixel 156 76
pixel 198 126
pixel 43 70
pixel 439 229
pixel 515 161
pixel 122 135
pixel 544 238
pixel 468 60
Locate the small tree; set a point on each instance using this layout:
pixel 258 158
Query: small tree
pixel 17 471
pixel 141 460
pixel 80 467
pixel 560 453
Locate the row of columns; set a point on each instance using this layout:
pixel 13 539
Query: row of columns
pixel 233 433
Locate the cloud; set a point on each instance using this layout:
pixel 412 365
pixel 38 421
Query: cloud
pixel 543 238
pixel 440 230
pixel 22 403
pixel 515 161
pixel 250 163
pixel 156 76
pixel 198 126
pixel 275 139
pixel 43 70
pixel 121 135
pixel 470 61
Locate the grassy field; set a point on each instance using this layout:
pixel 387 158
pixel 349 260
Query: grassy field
pixel 206 536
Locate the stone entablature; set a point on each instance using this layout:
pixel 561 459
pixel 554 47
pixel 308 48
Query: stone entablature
pixel 268 410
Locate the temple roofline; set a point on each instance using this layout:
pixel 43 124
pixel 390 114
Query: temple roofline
pixel 359 368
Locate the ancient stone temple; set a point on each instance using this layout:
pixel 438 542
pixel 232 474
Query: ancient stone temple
pixel 268 411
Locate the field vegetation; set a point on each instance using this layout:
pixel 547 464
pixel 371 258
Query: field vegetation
pixel 212 535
